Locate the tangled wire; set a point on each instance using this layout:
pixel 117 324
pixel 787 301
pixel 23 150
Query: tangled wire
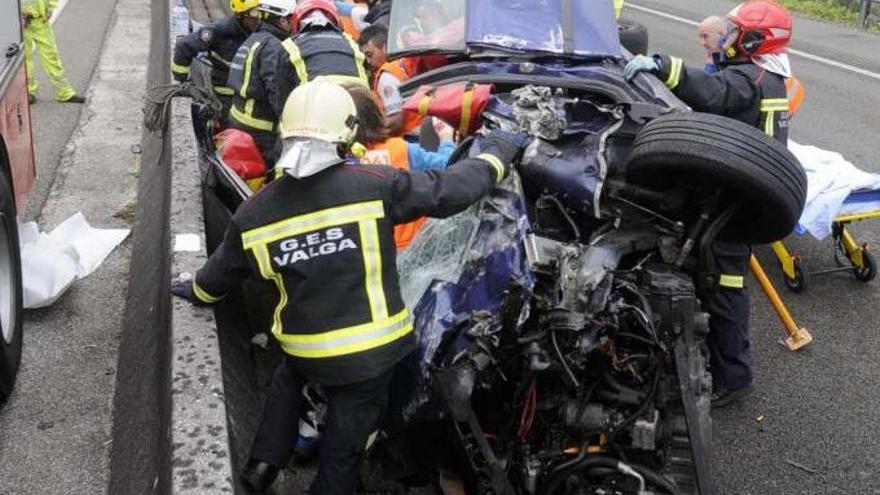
pixel 157 104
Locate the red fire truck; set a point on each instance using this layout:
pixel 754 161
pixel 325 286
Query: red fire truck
pixel 17 174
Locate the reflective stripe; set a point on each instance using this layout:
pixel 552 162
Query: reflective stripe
pixel 245 117
pixel 261 254
pixel 373 269
pixel 674 77
pixel 217 57
pixel 467 100
pixel 774 105
pixel 331 217
pixel 247 69
pixel 223 90
pixel 496 164
pixel 731 281
pixel 359 59
pixel 342 80
pixel 769 128
pixel 424 104
pixel 348 340
pixel 299 65
pixel 202 295
pixel 179 69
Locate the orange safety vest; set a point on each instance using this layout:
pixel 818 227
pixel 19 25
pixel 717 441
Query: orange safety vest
pixel 397 68
pixel 394 151
pixel 795 92
pixel 348 27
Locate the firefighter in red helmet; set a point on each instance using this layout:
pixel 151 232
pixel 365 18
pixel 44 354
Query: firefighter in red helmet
pixel 749 87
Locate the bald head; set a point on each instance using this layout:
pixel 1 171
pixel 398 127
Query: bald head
pixel 710 31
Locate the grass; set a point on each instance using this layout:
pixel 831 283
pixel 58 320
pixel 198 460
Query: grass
pixel 829 10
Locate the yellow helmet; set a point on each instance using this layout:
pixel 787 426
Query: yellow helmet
pixel 242 6
pixel 321 110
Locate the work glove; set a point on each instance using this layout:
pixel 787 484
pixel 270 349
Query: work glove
pixel 641 63
pixel 183 288
pixel 505 147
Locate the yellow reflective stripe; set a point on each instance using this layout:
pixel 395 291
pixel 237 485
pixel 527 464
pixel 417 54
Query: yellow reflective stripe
pixel 373 268
pixel 223 90
pixel 359 58
pixel 261 254
pixel 179 69
pixel 217 56
pixel 331 217
pixel 299 65
pixel 348 340
pixel 769 128
pixel 343 80
pixel 674 77
pixel 247 69
pixel 465 123
pixel 496 164
pixel 245 118
pixel 731 281
pixel 424 104
pixel 202 294
pixel 774 105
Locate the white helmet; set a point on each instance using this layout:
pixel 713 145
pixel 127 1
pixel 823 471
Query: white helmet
pixel 279 8
pixel 318 117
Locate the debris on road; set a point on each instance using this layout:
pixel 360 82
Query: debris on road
pixel 801 467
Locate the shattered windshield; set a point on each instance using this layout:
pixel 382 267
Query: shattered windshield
pixel 427 25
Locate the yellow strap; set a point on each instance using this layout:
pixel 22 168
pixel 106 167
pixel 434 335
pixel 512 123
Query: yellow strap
pixel 731 281
pixel 495 162
pixel 299 65
pixel 348 340
pixel 223 90
pixel 359 59
pixel 674 77
pixel 467 100
pixel 247 69
pixel 331 217
pixel 424 103
pixel 244 117
pixel 179 69
pixel 202 295
pixel 774 105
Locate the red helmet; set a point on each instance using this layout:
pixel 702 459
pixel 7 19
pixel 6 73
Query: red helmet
pixel 306 7
pixel 764 27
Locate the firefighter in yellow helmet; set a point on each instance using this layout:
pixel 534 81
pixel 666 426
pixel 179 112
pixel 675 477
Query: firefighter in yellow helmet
pixel 323 232
pixel 38 33
pixel 220 41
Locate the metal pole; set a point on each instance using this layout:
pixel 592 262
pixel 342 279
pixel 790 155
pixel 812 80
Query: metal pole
pixel 864 10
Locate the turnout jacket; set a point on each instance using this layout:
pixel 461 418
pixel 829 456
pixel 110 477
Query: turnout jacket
pixel 740 90
pixel 327 243
pixel 316 52
pixel 252 79
pixel 220 41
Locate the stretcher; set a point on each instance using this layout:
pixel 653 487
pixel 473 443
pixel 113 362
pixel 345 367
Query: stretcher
pixel 849 254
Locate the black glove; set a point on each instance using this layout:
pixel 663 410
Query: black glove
pixel 505 146
pixel 184 290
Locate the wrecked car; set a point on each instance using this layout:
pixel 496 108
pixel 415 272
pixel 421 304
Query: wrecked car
pixel 561 337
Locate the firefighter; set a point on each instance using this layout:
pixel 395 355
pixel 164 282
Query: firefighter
pixel 252 78
pixel 323 233
pixel 220 41
pixel 319 49
pixel 37 32
pixel 749 87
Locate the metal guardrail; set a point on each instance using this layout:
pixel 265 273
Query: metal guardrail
pixel 865 14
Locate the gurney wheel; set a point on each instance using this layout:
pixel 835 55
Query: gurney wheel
pixel 799 282
pixel 867 272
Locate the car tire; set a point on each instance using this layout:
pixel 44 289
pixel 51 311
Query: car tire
pixel 633 36
pixel 10 291
pixel 704 151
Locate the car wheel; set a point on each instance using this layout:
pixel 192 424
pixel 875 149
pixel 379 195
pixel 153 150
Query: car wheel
pixel 710 152
pixel 10 291
pixel 633 36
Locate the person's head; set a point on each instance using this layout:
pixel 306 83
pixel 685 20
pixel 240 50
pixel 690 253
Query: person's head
pixel 315 13
pixel 277 12
pixel 759 27
pixel 247 13
pixel 318 125
pixel 371 119
pixel 710 32
pixel 374 43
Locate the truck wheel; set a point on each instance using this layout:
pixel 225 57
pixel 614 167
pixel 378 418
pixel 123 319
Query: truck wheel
pixel 709 152
pixel 633 36
pixel 10 291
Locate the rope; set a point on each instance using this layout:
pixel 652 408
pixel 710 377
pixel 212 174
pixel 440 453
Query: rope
pixel 157 104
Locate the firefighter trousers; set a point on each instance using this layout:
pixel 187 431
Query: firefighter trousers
pixel 38 33
pixel 355 411
pixel 728 308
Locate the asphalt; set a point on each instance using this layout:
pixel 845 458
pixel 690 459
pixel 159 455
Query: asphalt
pixel 810 426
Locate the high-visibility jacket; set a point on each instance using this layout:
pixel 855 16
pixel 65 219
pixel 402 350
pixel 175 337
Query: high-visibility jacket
pixel 220 41
pixel 395 152
pixel 252 78
pixel 403 72
pixel 740 90
pixel 318 52
pixel 326 243
pixel 38 9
